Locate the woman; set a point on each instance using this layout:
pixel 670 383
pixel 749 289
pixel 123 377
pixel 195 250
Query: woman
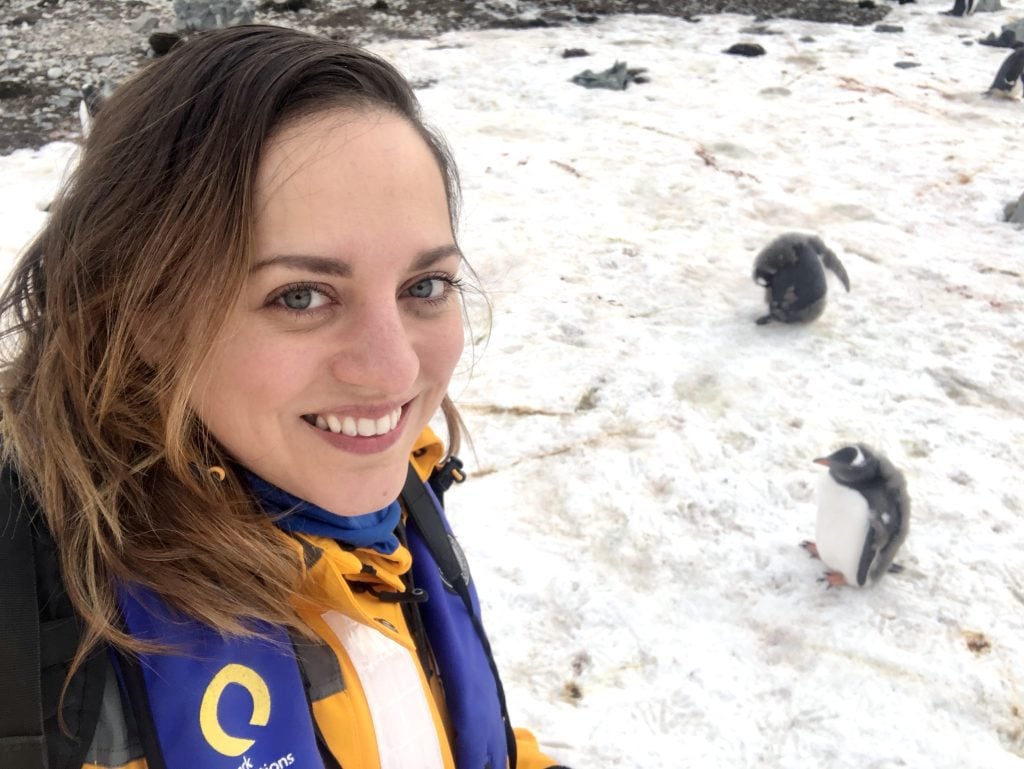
pixel 227 344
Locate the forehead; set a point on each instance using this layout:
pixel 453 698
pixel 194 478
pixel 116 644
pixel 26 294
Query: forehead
pixel 344 183
pixel 343 144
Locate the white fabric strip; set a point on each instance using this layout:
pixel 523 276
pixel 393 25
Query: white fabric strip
pixel 406 736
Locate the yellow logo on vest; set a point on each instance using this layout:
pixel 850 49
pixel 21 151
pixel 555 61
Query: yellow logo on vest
pixel 248 679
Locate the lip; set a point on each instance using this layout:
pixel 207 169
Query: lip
pixel 360 444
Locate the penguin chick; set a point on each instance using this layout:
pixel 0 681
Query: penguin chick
pixel 790 269
pixel 1008 82
pixel 863 516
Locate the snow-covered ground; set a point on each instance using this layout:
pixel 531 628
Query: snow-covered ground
pixel 642 470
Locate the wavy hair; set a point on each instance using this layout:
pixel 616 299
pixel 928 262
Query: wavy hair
pixel 151 238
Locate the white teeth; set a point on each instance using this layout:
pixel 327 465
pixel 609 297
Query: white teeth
pixel 363 426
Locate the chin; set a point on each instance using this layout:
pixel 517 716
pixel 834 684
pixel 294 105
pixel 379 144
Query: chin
pixel 363 492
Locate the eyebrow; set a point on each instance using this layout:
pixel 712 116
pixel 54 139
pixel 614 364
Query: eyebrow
pixel 339 268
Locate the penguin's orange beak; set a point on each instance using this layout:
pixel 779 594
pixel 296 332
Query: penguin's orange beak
pixel 823 461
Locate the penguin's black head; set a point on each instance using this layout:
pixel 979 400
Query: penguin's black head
pixel 851 465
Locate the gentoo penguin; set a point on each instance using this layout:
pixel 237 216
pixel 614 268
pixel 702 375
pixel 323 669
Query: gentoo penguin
pixel 1009 81
pixel 863 516
pixel 790 269
pixel 93 98
pixel 963 7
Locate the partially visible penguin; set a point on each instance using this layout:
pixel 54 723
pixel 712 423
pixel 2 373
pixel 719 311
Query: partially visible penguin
pixel 963 7
pixel 863 516
pixel 1009 81
pixel 93 98
pixel 790 269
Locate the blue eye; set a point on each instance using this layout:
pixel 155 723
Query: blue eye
pixel 301 298
pixel 428 288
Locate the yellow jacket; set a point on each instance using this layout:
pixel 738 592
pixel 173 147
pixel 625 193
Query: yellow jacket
pixel 370 697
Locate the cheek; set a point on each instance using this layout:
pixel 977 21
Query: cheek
pixel 442 351
pixel 245 378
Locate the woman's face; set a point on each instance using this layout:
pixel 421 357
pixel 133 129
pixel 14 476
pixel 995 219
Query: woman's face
pixel 349 326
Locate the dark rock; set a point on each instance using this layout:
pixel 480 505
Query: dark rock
pixel 380 5
pixel 12 89
pixel 29 18
pixel 907 64
pixel 280 6
pixel 616 78
pixel 866 4
pixel 537 22
pixel 162 42
pixel 1009 36
pixel 574 53
pixel 586 18
pixel 1015 211
pixel 888 28
pixel 745 49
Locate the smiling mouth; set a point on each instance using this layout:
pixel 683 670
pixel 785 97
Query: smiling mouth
pixel 353 427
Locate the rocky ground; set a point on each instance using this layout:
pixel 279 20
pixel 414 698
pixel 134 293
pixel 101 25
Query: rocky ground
pixel 51 49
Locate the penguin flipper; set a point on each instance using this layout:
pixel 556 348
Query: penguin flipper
pixel 867 556
pixel 829 258
pixel 893 523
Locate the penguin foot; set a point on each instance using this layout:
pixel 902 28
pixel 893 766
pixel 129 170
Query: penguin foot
pixel 764 321
pixel 895 568
pixel 833 578
pixel 811 548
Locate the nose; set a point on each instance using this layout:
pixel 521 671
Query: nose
pixel 377 350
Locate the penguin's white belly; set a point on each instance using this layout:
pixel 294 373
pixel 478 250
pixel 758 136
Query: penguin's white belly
pixel 842 527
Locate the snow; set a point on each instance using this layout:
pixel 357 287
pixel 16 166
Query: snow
pixel 641 475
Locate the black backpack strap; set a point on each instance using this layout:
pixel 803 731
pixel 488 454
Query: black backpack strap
pixel 427 519
pixel 22 739
pixel 134 684
pixel 424 515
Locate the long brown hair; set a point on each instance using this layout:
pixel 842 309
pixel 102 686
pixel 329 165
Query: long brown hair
pixel 149 241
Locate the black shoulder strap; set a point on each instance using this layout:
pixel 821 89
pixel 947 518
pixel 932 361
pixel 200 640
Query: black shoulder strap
pixel 424 515
pixel 427 518
pixel 22 738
